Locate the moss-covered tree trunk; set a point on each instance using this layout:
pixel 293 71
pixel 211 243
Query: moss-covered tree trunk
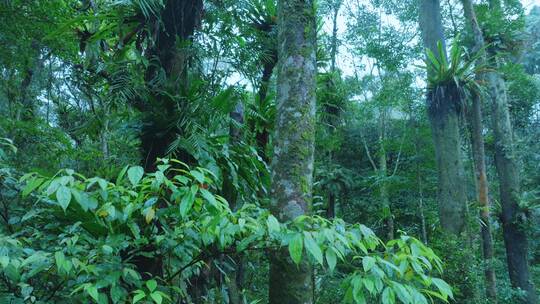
pixel 176 26
pixel 292 162
pixel 443 111
pixel 513 218
pixel 478 150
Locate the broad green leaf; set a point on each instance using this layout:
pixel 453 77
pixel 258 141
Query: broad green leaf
pixel 135 175
pixel 369 284
pixel 31 186
pixel 63 196
pixel 139 296
pixel 368 263
pixel 156 297
pixel 187 201
pixel 273 224
pixel 150 213
pixel 4 261
pixel 296 246
pixel 199 176
pixel 93 292
pixel 121 175
pixel 331 258
pixel 151 284
pixel 313 247
pixel 443 287
pixel 209 197
pixel 388 296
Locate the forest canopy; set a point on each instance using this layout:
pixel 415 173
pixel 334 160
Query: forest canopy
pixel 270 151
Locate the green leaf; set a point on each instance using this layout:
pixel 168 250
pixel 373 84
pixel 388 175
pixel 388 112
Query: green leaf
pixel 273 224
pixel 187 201
pixel 209 197
pixel 199 176
pixel 139 296
pixel 313 247
pixel 59 258
pixel 63 196
pixel 368 263
pixel 151 284
pixel 31 186
pixel 107 249
pixel 296 246
pixel 369 284
pixel 121 175
pixel 443 287
pixel 135 174
pixel 156 297
pixel 4 261
pixel 388 296
pixel 331 259
pixel 93 292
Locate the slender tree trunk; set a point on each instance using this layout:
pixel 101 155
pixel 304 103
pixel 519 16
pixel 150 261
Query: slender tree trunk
pixel 104 137
pixel 231 195
pixel 336 7
pixel 383 186
pixel 25 106
pixel 443 111
pixel 262 136
pixel 515 235
pixel 420 186
pixel 478 150
pixel 331 211
pixel 513 218
pixel 483 198
pixel 292 163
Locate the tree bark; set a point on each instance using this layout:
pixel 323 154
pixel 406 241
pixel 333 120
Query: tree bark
pixel 292 162
pixel 423 227
pixel 262 136
pixel 179 20
pixel 513 218
pixel 230 193
pixel 443 111
pixel 333 52
pixel 478 151
pixel 383 185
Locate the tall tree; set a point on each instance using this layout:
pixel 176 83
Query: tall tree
pixel 292 162
pixel 513 217
pixel 478 150
pixel 173 29
pixel 443 104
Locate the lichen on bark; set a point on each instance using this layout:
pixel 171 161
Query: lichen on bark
pixel 292 162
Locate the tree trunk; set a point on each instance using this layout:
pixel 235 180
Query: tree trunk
pixel 331 211
pixel 292 163
pixel 513 218
pixel 262 136
pixel 231 195
pixel 478 150
pixel 383 186
pixel 179 19
pixel 420 186
pixel 334 48
pixel 515 235
pixel 443 111
pixel 483 198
